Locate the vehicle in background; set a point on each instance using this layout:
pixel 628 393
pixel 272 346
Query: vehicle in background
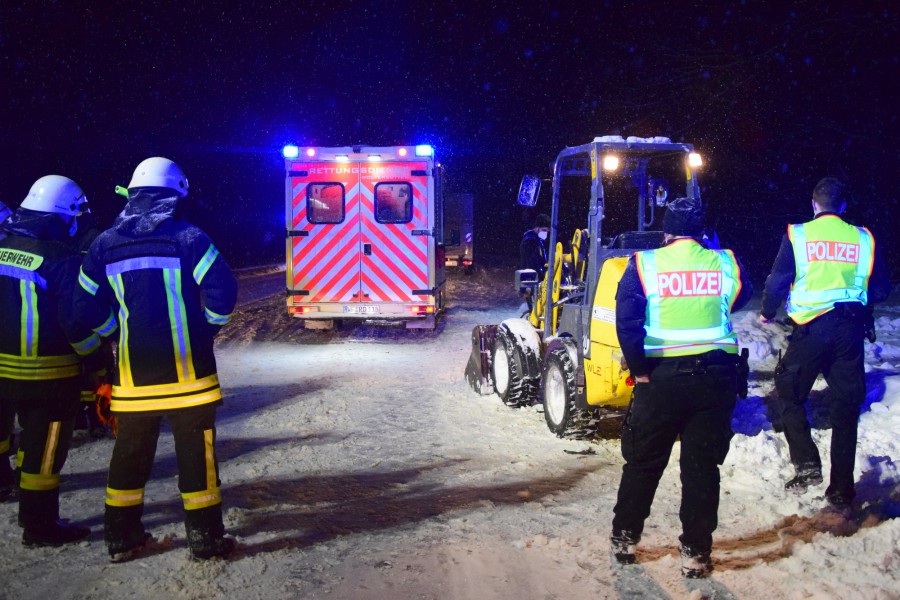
pixel 363 235
pixel 458 232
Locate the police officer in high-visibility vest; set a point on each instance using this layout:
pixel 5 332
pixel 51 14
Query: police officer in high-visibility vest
pixel 673 320
pixel 41 351
pixel 163 283
pixel 831 275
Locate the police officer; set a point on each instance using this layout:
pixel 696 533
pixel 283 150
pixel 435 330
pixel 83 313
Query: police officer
pixel 39 350
pixel 830 274
pixel 167 288
pixel 673 320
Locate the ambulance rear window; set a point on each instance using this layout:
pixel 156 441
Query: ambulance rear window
pixel 393 202
pixel 325 202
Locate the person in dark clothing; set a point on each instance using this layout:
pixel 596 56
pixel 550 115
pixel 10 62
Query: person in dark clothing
pixel 831 274
pixel 533 253
pixel 163 283
pixel 673 320
pixel 41 351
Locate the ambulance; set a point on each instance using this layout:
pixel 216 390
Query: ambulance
pixel 364 235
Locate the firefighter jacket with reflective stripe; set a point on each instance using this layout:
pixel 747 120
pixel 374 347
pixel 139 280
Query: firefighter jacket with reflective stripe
pixel 162 282
pixel 833 262
pixel 39 339
pixel 690 293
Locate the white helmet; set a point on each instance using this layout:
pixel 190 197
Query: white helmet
pixel 56 194
pixel 160 172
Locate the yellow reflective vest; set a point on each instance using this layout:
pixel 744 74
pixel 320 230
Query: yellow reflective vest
pixel 690 291
pixel 833 264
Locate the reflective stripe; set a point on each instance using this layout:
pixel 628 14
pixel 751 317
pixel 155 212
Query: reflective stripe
pixel 24 275
pixel 88 284
pixel 205 263
pixel 124 361
pixel 142 262
pixel 27 368
pixel 108 326
pixel 165 389
pixel 123 498
pixel 202 499
pixel 50 447
pixel 88 395
pixel 30 319
pixel 216 318
pixel 38 482
pixel 210 459
pixel 4 446
pixel 20 457
pixel 87 345
pixel 159 404
pixel 181 341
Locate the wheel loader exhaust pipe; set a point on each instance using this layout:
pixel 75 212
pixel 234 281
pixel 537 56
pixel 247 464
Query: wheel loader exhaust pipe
pixel 478 369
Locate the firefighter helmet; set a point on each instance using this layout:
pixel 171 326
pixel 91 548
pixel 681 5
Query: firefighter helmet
pixel 160 172
pixel 56 194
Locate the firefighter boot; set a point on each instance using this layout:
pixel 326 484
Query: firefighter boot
pixel 123 532
pixel 39 516
pixel 806 476
pixel 206 533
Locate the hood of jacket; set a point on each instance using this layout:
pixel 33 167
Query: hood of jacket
pixel 38 225
pixel 146 210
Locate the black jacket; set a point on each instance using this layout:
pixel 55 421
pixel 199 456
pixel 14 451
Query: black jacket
pixel 779 281
pixel 164 284
pixel 39 339
pixel 631 314
pixel 532 254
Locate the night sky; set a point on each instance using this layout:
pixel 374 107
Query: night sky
pixel 775 95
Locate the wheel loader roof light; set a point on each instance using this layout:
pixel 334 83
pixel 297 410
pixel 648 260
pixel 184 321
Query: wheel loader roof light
pixel 610 162
pixel 310 152
pixel 695 160
pixel 424 150
pixel 290 151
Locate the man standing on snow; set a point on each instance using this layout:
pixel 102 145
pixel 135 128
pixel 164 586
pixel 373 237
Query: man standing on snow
pixel 40 347
pixel 673 320
pixel 830 274
pixel 164 284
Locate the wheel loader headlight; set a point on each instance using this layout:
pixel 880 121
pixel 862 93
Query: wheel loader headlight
pixel 610 162
pixel 695 160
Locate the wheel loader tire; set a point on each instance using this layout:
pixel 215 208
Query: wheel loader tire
pixel 509 370
pixel 559 392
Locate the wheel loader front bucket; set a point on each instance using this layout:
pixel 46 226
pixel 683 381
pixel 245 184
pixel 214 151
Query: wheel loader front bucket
pixel 478 369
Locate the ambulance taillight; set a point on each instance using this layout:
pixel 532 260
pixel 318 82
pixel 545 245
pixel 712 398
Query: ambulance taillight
pixel 422 310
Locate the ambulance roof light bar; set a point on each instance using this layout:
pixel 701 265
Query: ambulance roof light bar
pixel 424 150
pixel 290 151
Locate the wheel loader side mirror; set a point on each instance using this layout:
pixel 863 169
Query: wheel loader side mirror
pixel 528 191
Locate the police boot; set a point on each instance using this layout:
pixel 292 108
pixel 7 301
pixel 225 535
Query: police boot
pixel 206 533
pixel 695 563
pixel 39 516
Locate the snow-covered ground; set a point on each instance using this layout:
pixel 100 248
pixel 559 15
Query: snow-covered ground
pixel 358 464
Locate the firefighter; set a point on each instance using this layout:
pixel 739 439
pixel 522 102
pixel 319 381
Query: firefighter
pixel 39 350
pixel 533 252
pixel 673 319
pixel 163 283
pixel 831 275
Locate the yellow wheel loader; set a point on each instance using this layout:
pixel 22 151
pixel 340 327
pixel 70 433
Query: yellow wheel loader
pixel 566 353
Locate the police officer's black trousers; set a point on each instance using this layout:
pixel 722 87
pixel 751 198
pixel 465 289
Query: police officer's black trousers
pixel 832 345
pixel 697 405
pixel 132 461
pixel 46 411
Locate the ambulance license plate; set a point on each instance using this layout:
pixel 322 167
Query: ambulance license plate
pixel 361 309
pixel 451 263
